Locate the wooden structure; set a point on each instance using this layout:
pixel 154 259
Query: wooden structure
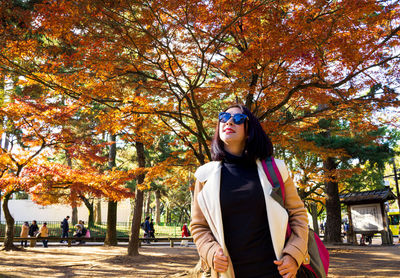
pixel 70 240
pixel 367 213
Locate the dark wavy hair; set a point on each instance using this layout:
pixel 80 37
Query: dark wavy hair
pixel 258 145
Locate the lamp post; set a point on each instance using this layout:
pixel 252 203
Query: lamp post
pixel 396 181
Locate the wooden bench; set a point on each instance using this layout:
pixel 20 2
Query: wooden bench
pixel 69 240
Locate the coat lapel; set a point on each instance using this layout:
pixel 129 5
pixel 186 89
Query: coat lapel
pixel 209 202
pixel 277 215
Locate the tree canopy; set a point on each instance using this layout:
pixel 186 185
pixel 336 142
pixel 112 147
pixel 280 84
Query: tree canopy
pixel 167 67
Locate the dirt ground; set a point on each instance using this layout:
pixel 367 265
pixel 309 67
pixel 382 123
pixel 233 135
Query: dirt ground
pixel 164 261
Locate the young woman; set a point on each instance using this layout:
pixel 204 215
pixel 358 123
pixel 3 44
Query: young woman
pixel 238 228
pixel 24 233
pixel 44 232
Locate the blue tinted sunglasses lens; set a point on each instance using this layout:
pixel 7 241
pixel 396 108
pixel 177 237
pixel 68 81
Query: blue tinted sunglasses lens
pixel 224 117
pixel 237 118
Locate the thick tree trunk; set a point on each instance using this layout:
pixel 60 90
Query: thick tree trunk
pixel 333 213
pixel 111 236
pixel 158 213
pixel 8 241
pixel 133 247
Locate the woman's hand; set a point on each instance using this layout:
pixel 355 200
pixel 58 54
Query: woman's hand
pixel 220 261
pixel 287 266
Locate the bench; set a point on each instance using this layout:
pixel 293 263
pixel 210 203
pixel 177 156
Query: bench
pixel 33 240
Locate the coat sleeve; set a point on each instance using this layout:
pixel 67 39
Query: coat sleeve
pixel 205 242
pixel 296 246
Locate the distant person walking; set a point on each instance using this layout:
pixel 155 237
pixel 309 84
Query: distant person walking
pixel 24 233
pixel 152 230
pixel 33 230
pixel 147 229
pixel 44 232
pixel 65 228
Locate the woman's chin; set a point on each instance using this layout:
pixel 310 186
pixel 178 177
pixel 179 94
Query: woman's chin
pixel 232 142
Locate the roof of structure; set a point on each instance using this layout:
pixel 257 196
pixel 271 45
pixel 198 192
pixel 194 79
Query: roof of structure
pixel 365 197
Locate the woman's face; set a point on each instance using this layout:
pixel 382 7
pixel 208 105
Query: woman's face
pixel 230 133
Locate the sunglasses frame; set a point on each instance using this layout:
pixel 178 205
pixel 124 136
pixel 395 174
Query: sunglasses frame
pixel 243 118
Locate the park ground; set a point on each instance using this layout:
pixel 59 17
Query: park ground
pixel 163 261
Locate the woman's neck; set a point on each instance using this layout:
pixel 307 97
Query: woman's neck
pixel 234 149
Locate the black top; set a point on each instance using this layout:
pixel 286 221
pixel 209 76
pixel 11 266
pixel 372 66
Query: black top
pixel 65 225
pixel 244 216
pixel 32 229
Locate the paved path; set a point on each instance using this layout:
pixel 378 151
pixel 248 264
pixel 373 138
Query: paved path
pixel 364 261
pixel 160 260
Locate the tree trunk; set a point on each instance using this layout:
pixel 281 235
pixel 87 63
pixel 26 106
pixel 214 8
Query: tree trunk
pixel 250 95
pixel 74 217
pixel 314 214
pixel 8 241
pixel 351 236
pixel 158 213
pixel 167 219
pixel 89 205
pixel 6 141
pixel 333 213
pixel 97 211
pixel 111 236
pixel 187 216
pixel 181 215
pixel 133 246
pixel 148 201
pixel 91 217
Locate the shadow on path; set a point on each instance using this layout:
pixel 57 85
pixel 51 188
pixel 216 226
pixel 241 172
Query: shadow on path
pixel 364 261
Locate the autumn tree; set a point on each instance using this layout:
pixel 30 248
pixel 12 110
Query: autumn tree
pixel 31 130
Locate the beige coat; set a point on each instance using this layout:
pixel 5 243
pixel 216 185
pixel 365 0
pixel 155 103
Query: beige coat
pixel 207 228
pixel 44 231
pixel 24 231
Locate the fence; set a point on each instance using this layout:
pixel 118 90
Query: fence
pixel 123 229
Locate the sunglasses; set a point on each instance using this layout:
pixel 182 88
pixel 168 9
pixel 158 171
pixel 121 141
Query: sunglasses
pixel 238 119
